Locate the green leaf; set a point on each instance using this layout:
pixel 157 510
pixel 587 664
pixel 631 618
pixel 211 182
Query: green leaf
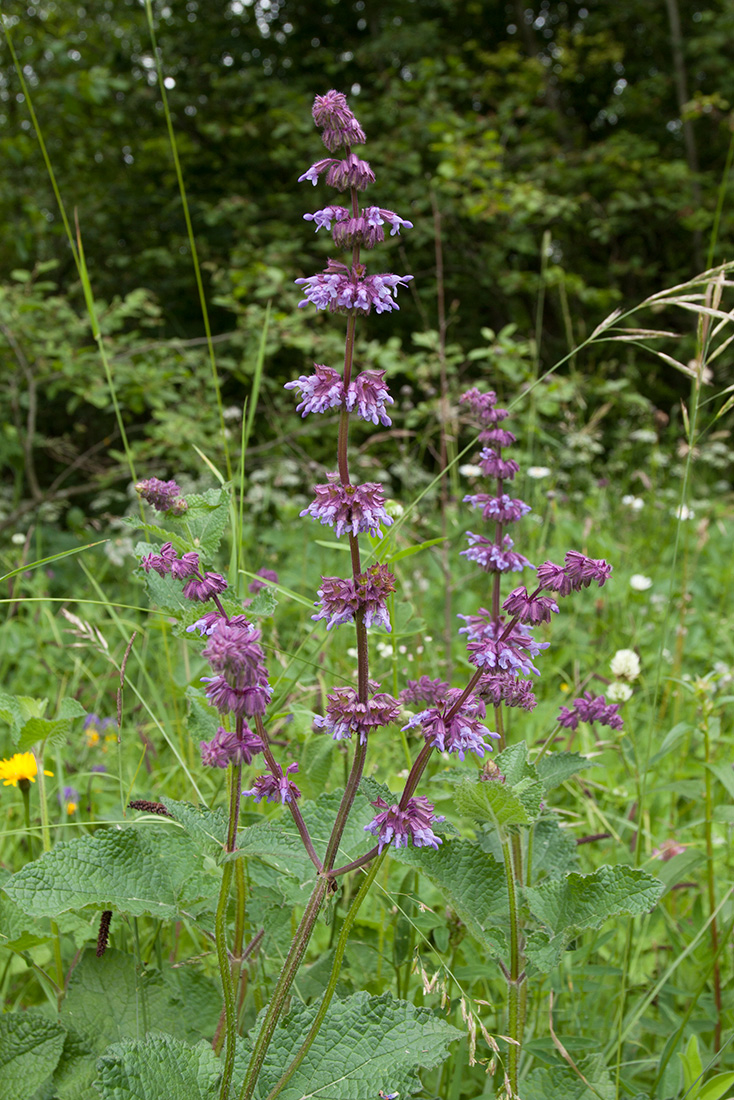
pixel 409 551
pixel 156 1068
pixel 554 849
pixel 556 767
pixel 110 999
pixel 365 1044
pixel 586 901
pixel 74 1075
pixel 692 1068
pixel 717 1086
pixel 725 776
pixel 499 804
pixel 561 1083
pixel 50 731
pixel 207 828
pixel 472 882
pixel 206 521
pixel 514 765
pixel 30 1047
pixel 166 593
pixel 544 952
pixel 135 871
pixel 71 708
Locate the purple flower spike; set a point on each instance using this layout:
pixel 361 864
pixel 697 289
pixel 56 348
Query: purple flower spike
pixel 185 566
pixel 591 708
pixel 312 175
pixel 503 509
pixel 340 289
pixel 581 571
pixel 234 652
pixel 338 601
pixel 275 788
pixel 424 690
pixel 482 406
pixel 226 748
pixel 350 172
pixel 461 733
pixel 322 219
pixel 492 558
pixel 498 688
pixel 206 624
pixel 399 827
pixel 341 599
pixel 332 115
pixel 369 395
pixel 493 465
pixel 203 588
pixel 165 496
pixel 355 508
pixel 161 563
pixel 554 578
pixel 499 436
pixel 511 654
pixel 345 714
pixel 319 392
pixel 244 702
pixel 530 610
pixel 267 575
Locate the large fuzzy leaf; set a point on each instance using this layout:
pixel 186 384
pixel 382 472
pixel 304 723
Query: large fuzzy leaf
pixel 30 1048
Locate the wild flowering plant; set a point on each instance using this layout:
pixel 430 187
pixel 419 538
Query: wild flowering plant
pixel 519 912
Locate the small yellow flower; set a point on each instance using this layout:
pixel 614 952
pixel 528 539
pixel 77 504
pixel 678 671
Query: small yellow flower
pixel 22 766
pixel 92 737
pixel 71 807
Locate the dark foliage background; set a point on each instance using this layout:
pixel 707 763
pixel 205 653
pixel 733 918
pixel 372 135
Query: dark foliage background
pixel 600 129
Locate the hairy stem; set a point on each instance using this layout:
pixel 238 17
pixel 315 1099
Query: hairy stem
pixel 333 979
pixel 287 976
pixel 515 977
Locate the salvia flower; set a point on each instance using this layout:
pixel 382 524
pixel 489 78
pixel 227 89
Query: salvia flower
pixel 499 688
pixel 233 650
pixel 591 708
pixel 340 289
pixel 488 650
pixel 401 827
pixel 227 748
pixel 502 509
pixel 165 496
pixel 578 572
pixel 345 714
pixel 267 574
pixel 493 465
pixel 367 395
pixel 319 392
pixel 461 732
pixel 206 624
pixel 340 599
pixel 332 114
pixel 203 588
pixel 160 563
pixel 185 566
pixel 530 609
pixel 323 218
pixel 244 701
pixel 275 788
pixel 355 508
pixel 493 558
pixel 424 690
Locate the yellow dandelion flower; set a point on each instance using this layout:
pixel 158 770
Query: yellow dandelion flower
pixel 71 807
pixel 21 766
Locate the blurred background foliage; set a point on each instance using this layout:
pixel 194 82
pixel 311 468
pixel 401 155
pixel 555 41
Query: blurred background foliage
pixel 572 155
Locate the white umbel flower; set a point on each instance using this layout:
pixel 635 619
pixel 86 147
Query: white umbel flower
pixel 640 582
pixel 625 664
pixel 538 472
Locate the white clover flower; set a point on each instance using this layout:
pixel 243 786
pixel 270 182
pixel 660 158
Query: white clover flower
pixel 625 664
pixel 618 692
pixel 470 470
pixel 684 512
pixel 640 582
pixel 538 472
pixel 635 503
